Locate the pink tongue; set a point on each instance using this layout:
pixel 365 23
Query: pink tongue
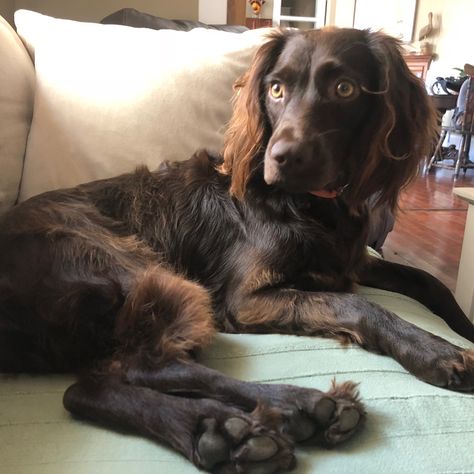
pixel 325 194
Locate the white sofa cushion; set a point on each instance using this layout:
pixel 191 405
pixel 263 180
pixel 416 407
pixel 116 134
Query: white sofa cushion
pixel 17 80
pixel 111 97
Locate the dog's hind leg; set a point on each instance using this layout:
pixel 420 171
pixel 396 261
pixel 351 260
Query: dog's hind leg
pixel 163 319
pixel 166 317
pixel 306 415
pixel 214 436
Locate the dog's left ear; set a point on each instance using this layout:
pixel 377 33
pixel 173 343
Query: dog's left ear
pixel 403 126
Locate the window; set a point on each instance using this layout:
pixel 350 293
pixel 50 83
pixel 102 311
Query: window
pixel 304 14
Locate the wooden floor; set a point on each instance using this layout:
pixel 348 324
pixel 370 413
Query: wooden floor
pixel 429 229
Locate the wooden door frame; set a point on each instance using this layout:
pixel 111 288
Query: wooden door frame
pixel 236 12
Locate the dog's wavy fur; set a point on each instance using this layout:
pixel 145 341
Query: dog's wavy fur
pixel 125 279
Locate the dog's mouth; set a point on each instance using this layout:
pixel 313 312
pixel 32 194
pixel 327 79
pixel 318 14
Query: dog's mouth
pixel 302 181
pixel 330 191
pixel 325 194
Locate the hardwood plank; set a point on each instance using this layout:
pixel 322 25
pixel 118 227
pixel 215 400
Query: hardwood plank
pixel 429 227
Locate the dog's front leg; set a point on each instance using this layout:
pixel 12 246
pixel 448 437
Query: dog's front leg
pixel 422 287
pixel 351 317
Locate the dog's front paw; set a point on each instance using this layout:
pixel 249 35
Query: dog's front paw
pixel 456 373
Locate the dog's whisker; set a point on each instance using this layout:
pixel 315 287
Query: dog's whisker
pixel 328 132
pixel 367 91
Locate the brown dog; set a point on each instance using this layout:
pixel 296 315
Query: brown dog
pixel 125 278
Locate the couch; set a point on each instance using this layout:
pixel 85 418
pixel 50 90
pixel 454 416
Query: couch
pixel 82 101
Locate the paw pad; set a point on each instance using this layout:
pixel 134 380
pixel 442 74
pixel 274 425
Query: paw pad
pixel 241 445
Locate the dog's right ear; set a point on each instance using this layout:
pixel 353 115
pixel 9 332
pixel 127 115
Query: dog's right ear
pixel 249 128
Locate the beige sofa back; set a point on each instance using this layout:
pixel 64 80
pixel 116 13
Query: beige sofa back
pixel 109 97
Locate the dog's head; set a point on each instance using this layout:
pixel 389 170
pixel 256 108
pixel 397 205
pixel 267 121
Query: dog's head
pixel 329 110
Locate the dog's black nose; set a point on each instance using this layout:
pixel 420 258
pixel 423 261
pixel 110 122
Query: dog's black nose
pixel 279 151
pixel 285 151
pixel 283 159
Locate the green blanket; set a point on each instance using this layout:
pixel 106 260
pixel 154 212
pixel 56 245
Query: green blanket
pixel 412 427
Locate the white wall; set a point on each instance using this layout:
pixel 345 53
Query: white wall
pixel 213 12
pixel 341 13
pixel 453 40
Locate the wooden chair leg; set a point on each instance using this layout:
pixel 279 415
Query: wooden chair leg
pixel 437 151
pixel 461 160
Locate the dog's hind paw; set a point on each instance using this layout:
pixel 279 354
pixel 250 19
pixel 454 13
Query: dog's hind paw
pixel 240 444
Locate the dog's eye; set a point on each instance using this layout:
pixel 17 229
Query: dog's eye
pixel 276 90
pixel 345 89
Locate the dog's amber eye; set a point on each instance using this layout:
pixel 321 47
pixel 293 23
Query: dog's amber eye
pixel 345 89
pixel 276 90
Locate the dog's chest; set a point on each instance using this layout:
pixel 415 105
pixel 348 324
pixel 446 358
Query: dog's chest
pixel 311 250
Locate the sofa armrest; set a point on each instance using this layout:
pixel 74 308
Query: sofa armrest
pixel 17 89
pixel 465 281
